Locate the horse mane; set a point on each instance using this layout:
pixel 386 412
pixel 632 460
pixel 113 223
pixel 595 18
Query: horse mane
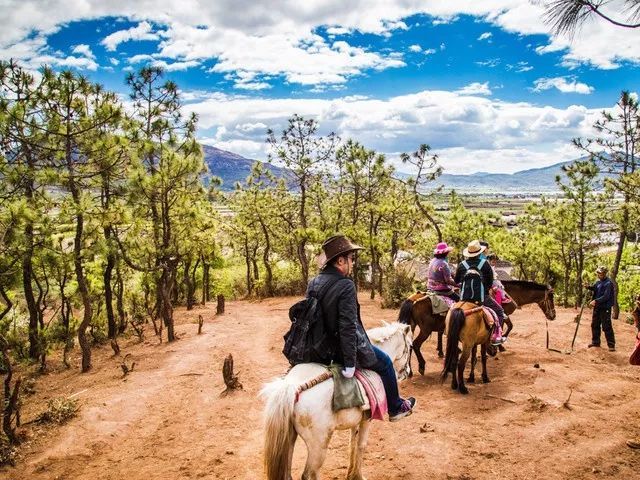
pixel 383 333
pixel 526 284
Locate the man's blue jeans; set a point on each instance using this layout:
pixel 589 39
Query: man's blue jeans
pixel 384 368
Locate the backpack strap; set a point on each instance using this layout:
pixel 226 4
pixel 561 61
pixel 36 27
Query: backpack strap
pixel 481 264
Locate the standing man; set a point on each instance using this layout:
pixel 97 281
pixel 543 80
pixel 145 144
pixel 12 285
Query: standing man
pixel 352 347
pixel 602 303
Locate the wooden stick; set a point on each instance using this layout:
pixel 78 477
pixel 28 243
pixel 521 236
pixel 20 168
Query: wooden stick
pixel 78 393
pixel 500 398
pixel 575 334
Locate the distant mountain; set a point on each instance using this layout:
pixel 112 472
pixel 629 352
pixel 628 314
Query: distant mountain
pixel 532 180
pixel 231 167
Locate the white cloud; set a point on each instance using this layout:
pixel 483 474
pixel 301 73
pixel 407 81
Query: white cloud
pixel 563 85
pixel 469 133
pixel 84 50
pixel 142 32
pixel 114 61
pixel 415 48
pixel 140 58
pixel 337 31
pixel 175 66
pixel 485 36
pixel 245 34
pixel 475 88
pixel 429 51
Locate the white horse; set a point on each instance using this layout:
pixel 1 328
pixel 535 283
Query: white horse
pixel 312 416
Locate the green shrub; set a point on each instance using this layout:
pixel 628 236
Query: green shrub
pixel 286 280
pixel 397 285
pixel 59 410
pixel 7 452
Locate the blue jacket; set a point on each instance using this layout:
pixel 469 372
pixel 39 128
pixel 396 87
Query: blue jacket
pixel 603 293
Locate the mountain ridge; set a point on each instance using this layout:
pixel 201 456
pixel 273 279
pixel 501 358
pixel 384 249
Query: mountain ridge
pixel 231 168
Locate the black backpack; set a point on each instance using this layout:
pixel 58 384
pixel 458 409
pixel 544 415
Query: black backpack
pixel 308 339
pixel 472 287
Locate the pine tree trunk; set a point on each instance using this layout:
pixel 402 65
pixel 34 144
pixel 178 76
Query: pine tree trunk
pixel 108 293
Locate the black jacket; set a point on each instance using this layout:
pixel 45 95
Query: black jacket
pixel 342 315
pixel 486 271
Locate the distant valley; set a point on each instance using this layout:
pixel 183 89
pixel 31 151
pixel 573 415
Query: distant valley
pixel 232 168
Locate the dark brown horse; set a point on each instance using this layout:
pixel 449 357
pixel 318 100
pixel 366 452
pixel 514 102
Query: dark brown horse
pixel 525 293
pixel 417 310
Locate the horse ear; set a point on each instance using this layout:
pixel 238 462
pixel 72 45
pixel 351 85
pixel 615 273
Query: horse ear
pixel 406 327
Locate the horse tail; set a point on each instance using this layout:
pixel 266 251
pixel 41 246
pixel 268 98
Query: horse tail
pixel 456 322
pixel 405 315
pixel 279 432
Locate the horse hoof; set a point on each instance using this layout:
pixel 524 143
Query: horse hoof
pixel 454 386
pixel 421 370
pixel 440 355
pixel 502 349
pixel 486 380
pixel 471 380
pixel 464 390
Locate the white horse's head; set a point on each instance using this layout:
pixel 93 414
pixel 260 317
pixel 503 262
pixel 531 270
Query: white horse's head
pixel 395 340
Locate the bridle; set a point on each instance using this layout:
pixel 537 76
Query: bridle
pixel 546 303
pixel 406 352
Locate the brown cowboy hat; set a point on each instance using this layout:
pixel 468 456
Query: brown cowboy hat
pixel 334 247
pixel 473 249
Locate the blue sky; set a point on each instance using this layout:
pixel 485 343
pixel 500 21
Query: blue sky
pixel 484 83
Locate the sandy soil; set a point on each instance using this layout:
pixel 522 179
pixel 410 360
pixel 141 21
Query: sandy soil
pixel 167 420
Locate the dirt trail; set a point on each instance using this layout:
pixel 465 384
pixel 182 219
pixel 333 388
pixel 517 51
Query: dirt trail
pixel 166 419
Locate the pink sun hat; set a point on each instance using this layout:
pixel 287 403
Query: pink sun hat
pixel 441 248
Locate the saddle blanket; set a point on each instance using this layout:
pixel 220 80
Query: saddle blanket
pixel 373 387
pixel 440 305
pixel 365 390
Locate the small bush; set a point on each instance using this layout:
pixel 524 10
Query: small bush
pixel 397 285
pixel 286 280
pixel 59 410
pixel 7 452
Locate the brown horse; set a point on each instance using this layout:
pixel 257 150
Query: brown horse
pixel 467 325
pixel 417 310
pixel 524 293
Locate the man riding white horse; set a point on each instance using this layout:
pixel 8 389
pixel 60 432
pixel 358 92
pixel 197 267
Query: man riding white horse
pixel 342 315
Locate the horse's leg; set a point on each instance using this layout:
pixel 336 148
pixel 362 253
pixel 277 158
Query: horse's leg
pixel 483 354
pixel 509 324
pixel 462 361
pixel 474 360
pixel 358 443
pixel 417 343
pixel 440 352
pixel 317 444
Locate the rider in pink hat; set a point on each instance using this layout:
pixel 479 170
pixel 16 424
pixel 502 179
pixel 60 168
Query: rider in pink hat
pixel 439 279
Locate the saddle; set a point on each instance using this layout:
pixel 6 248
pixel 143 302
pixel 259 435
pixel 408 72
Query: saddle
pixel 364 390
pixel 440 304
